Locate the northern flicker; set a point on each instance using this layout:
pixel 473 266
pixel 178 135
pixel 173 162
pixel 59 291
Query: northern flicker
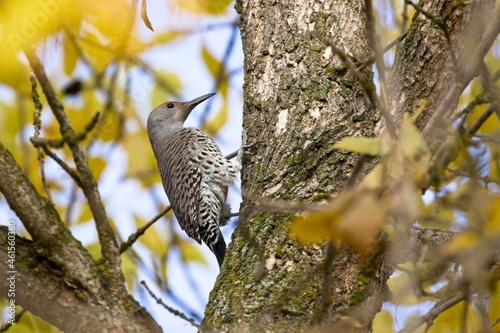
pixel 194 173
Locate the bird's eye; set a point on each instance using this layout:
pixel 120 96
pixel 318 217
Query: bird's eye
pixel 170 105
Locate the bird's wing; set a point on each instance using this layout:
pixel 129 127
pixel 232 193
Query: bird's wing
pixel 181 179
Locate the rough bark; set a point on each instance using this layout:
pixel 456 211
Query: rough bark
pixel 56 277
pixel 424 68
pixel 299 100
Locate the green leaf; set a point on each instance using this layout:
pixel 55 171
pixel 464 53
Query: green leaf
pixel 94 250
pixel 144 169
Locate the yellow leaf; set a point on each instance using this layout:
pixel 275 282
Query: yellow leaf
pixel 111 126
pixel 360 221
pixel 402 290
pixel 144 15
pixel 168 84
pixel 99 56
pixel 383 322
pixel 207 7
pixel 450 320
pixel 361 145
pixel 353 219
pixel 130 47
pixel 94 250
pixel 212 63
pixel 144 168
pixel 492 227
pixel 406 203
pixel 70 55
pixel 32 323
pixel 494 157
pixel 97 166
pixel 129 269
pixel 490 126
pixel 190 252
pixel 314 228
pixel 213 126
pixel 494 307
pixel 25 23
pixel 14 73
pixel 462 242
pixel 442 215
pixel 152 239
pixel 416 151
pixel 419 110
pixel 110 17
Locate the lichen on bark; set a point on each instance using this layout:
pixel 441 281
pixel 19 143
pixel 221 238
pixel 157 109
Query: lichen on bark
pixel 299 101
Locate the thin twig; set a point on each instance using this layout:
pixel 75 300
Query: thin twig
pixel 107 238
pixel 70 171
pixel 433 313
pixel 59 143
pixel 37 124
pixel 133 237
pixel 389 46
pixel 169 308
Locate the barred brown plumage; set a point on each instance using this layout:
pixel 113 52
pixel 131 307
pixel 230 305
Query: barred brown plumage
pixel 194 173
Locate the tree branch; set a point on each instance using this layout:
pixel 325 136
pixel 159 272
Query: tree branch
pixel 107 239
pixel 471 70
pixel 42 289
pixel 43 223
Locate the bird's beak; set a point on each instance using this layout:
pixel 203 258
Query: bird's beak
pixel 192 104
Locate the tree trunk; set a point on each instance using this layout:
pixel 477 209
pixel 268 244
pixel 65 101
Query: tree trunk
pixel 300 99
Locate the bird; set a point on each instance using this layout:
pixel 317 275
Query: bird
pixel 194 173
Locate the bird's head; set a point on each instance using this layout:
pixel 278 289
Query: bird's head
pixel 174 113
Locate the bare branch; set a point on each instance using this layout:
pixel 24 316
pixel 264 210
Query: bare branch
pixel 433 313
pixel 133 237
pixel 168 308
pixel 107 239
pixel 43 223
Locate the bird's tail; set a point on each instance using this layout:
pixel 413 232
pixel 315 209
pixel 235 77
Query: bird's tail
pixel 219 248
